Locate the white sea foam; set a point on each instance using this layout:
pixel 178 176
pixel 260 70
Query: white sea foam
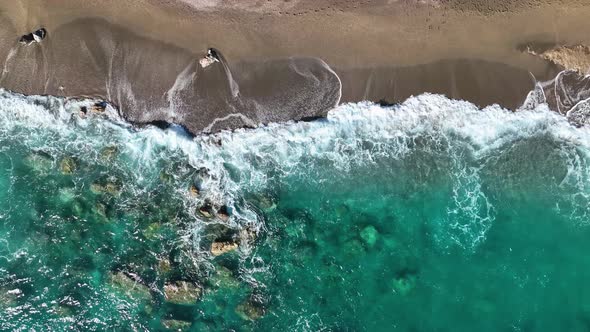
pixel 244 160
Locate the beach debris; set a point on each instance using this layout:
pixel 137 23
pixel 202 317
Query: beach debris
pixel 219 248
pixel 250 310
pixel 176 325
pixel 182 292
pixel 68 165
pixel 211 58
pixel 34 37
pixel 130 285
pixel 369 235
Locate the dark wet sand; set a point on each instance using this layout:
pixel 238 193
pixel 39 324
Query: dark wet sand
pixel 143 55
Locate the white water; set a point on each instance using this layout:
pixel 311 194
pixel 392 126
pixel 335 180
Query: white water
pixel 352 136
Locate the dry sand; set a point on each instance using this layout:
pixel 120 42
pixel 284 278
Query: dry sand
pixel 387 49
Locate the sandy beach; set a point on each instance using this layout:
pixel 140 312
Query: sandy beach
pixel 136 54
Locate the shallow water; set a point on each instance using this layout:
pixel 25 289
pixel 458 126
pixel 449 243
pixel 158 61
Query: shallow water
pixel 429 215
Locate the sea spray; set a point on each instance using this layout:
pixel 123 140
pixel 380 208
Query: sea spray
pixel 360 221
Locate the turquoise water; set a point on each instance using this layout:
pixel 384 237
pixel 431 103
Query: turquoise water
pixel 431 215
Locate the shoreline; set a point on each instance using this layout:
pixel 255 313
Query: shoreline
pixel 135 54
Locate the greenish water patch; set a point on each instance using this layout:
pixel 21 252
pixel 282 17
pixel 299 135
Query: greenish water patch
pixel 431 215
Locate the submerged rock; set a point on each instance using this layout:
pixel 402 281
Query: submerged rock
pixel 224 278
pixel 130 287
pixel 176 325
pixel 182 292
pixel 220 248
pixel 164 265
pixel 39 161
pixel 8 297
pixel 68 165
pixel 152 231
pixel 109 153
pixel 369 235
pixel 264 202
pixel 250 311
pixel 404 284
pixel 100 210
pixel 109 186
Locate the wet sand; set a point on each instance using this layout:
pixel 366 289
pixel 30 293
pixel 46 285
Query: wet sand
pixel 143 55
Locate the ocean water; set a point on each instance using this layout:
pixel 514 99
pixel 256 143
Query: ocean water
pixel 431 215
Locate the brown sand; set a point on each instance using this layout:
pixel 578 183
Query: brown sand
pixel 386 49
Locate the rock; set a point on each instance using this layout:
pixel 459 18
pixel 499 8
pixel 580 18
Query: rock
pixel 68 165
pixel 99 107
pixel 223 213
pixel 83 112
pixel 250 311
pixel 123 283
pixel 211 58
pixel 34 37
pixel 370 235
pixel 206 210
pixel 176 325
pixel 39 35
pixel 109 153
pixel 182 292
pixel 194 191
pixel 220 248
pixel 575 57
pixel 247 235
